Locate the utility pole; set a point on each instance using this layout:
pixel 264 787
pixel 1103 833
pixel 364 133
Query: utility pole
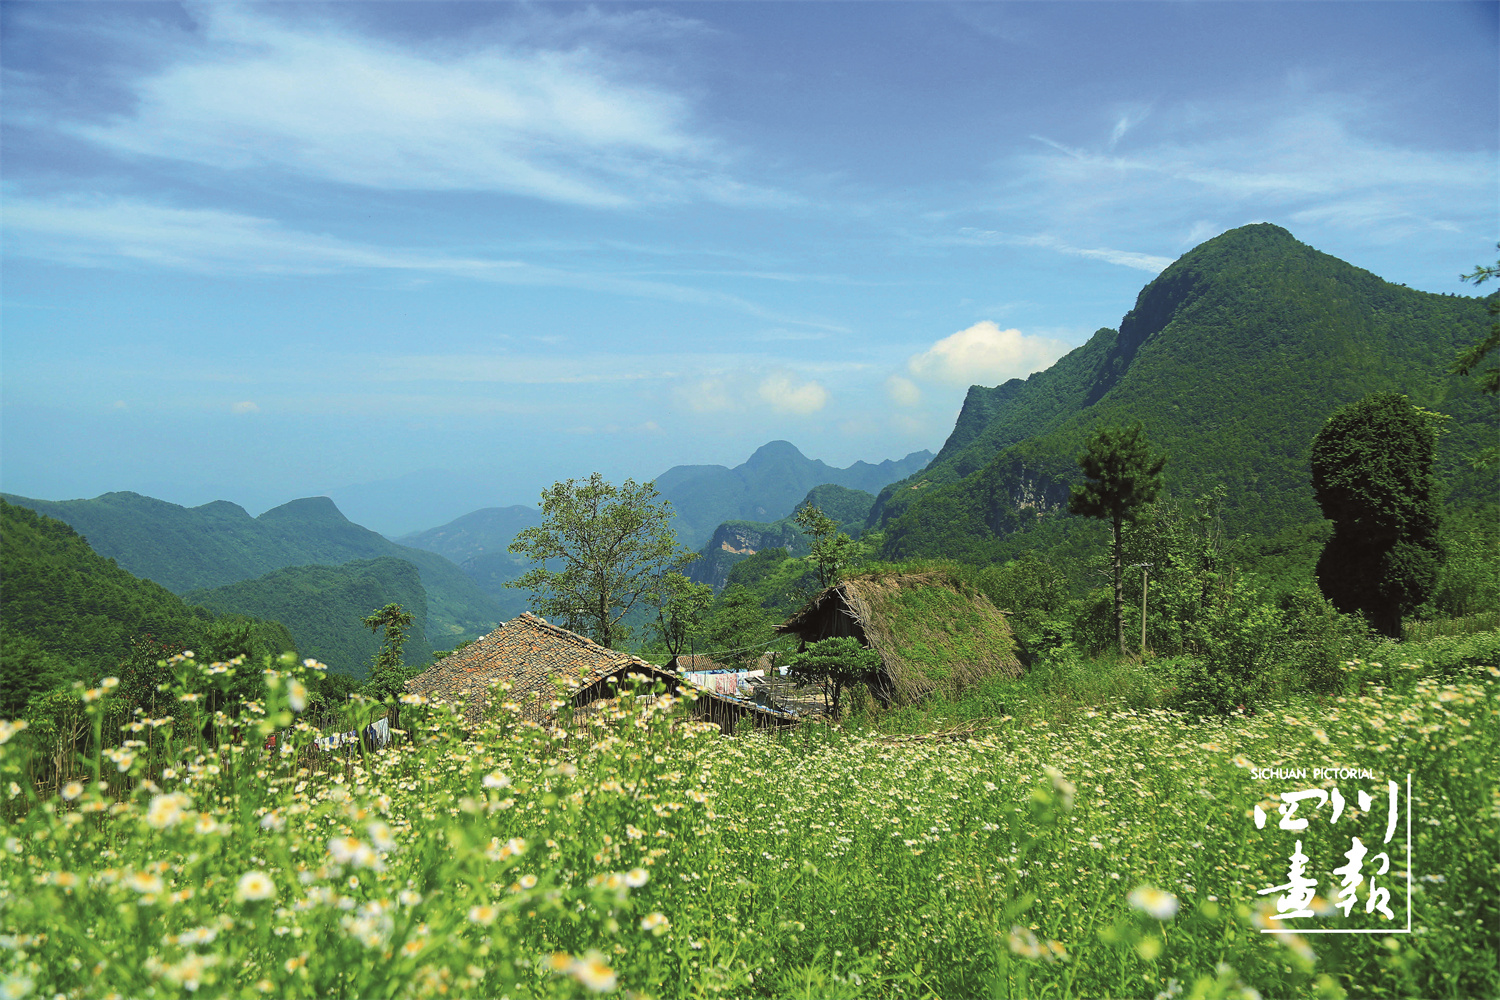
pixel 1145 569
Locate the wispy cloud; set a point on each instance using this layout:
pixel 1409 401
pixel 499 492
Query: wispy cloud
pixel 114 232
pixel 1314 160
pixel 1125 258
pixel 314 98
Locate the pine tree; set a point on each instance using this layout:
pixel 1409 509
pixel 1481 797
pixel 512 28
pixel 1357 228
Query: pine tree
pixel 1121 476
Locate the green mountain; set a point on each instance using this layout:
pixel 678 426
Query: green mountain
pixel 735 541
pixel 766 488
pixel 1233 358
pixel 478 543
pixel 322 607
pixel 187 549
pixel 484 532
pixel 68 613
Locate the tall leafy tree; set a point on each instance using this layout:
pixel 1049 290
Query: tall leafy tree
pixel 1120 477
pixel 1372 476
pixel 831 548
pixel 599 551
pixel 389 674
pixel 683 606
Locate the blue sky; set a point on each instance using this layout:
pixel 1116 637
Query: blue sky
pixel 256 252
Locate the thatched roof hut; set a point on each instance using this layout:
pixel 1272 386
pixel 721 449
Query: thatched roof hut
pixel 932 633
pixel 546 665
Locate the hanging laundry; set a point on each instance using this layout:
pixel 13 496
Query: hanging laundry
pixel 722 682
pixel 378 734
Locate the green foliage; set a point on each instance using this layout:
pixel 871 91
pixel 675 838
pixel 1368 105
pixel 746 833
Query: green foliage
pixel 681 612
pixel 834 664
pixel 1120 476
pixel 1372 476
pixel 831 548
pixel 740 629
pixel 779 582
pixel 1033 592
pixel 322 607
pixel 1470 580
pixel 1237 640
pixel 67 614
pixel 28 669
pixel 389 672
pixel 613 545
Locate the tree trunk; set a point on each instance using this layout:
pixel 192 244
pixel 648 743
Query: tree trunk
pixel 1119 586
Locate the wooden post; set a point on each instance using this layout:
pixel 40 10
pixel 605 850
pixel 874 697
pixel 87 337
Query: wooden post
pixel 1145 574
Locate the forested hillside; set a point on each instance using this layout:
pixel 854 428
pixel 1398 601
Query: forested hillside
pixel 67 613
pixel 186 549
pixel 323 607
pixel 1232 358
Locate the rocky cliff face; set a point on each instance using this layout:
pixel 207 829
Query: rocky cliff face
pixel 736 540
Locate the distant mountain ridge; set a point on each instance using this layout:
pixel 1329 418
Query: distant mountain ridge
pixel 735 541
pixel 216 544
pixel 767 487
pixel 1233 357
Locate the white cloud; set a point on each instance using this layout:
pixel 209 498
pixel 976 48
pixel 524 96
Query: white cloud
pixel 708 395
pixel 984 354
pixel 903 391
pixel 314 98
pixel 785 393
pixel 245 406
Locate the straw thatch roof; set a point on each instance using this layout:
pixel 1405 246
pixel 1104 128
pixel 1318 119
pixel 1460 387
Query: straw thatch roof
pixel 931 632
pixel 541 662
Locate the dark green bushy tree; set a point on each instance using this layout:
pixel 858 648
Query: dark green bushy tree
pixel 1120 475
pixel 1372 476
pixel 835 664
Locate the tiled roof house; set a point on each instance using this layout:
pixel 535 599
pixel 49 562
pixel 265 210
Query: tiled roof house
pixel 543 663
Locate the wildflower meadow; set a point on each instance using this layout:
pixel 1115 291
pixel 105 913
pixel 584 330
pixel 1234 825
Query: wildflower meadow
pixel 631 852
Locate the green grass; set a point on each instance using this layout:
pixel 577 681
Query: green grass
pixel 638 855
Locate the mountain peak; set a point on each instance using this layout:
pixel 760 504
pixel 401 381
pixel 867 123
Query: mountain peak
pixel 775 451
pixel 305 509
